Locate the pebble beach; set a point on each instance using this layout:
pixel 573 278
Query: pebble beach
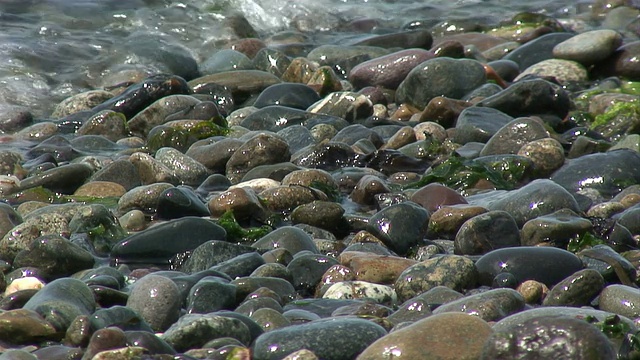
pixel 325 180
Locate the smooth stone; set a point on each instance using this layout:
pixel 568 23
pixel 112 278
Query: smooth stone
pixel 491 305
pixel 65 179
pixel 323 214
pixel 178 202
pixel 241 265
pixel 22 235
pixel 160 243
pixel 241 83
pixel 381 294
pixel 225 60
pixel 325 81
pixel 270 319
pixel 55 256
pixel 290 238
pixel 149 341
pixel 579 289
pixel 479 124
pixel 192 331
pixel 547 155
pixel 79 102
pixel 119 316
pixel 272 61
pixel 443 111
pixel 343 58
pixel 262 149
pixel 416 38
pixel 452 78
pixel 22 326
pixel 243 202
pixel 276 117
pixel 307 270
pixel 589 47
pixel 250 306
pixel 400 226
pixel 556 337
pixel 9 218
pixel 454 271
pixel 623 63
pixel 555 229
pixel 387 71
pixel 367 187
pixel 378 269
pixel 156 113
pixel 105 123
pixel 539 197
pixel 615 170
pixel 100 189
pixel 293 95
pixel 620 299
pixel 186 169
pixel 144 198
pixel 210 295
pixel 566 72
pixel 330 339
pixel 575 312
pixel 485 232
pixel 434 196
pixel 157 299
pixel 437 334
pixel 347 105
pixel 120 171
pixel 214 156
pixel 447 220
pixel 353 133
pixel 530 97
pixel 274 172
pixel 537 50
pixel 211 253
pixel 512 136
pixel 273 269
pixel 609 262
pixel 61 301
pixel 246 285
pixel 327 156
pixel 297 136
pixel 547 265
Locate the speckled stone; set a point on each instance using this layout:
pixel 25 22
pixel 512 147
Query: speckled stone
pixel 157 299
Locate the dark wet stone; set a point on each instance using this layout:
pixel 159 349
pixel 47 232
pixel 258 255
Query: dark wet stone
pixel 453 271
pixel 579 289
pixel 122 317
pixel 241 83
pixel 225 60
pixel 547 265
pixel 506 69
pixel 323 214
pixel 446 221
pixel 452 78
pixel 241 265
pixel 160 243
pixel 105 123
pixel 329 339
pixel 211 294
pixel 589 47
pixel 214 183
pixel 204 110
pixel 623 63
pixel 192 331
pixel 297 136
pixel 478 124
pixel 393 161
pixel 106 296
pixel 270 319
pixel 556 337
pixel 259 150
pixel 247 285
pixel 55 256
pixel 327 156
pixel 555 229
pixel 512 136
pixel 539 197
pixel 180 201
pixel 491 305
pixel 537 50
pixel 417 38
pixel 9 218
pixel 15 118
pixel 65 179
pixel 143 198
pixel 307 271
pixel 275 172
pixel 187 170
pixel 17 299
pixel 60 301
pixel 367 187
pixel 353 133
pixel 211 253
pixel 119 171
pixel 138 96
pixel 104 340
pixel 149 341
pixel 343 58
pixel 443 111
pixel 288 237
pixel 620 299
pixel 609 263
pixel 434 196
pixel 271 269
pixel 242 201
pixel 22 326
pixel 58 146
pixel 346 105
pixel 58 352
pixel 168 56
pixel 387 71
pixel 400 226
pixel 607 173
pixel 284 199
pixel 437 333
pixel 293 95
pixel 486 232
pixel 250 306
pixel 530 97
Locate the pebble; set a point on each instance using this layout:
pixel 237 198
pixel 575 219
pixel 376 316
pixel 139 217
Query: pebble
pixel 589 47
pixel 157 300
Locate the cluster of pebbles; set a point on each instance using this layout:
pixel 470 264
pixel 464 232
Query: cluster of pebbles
pixel 416 194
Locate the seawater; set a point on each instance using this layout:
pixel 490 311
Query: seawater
pixel 52 49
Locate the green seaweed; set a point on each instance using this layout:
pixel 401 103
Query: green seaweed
pixel 235 232
pixel 181 138
pixel 584 241
pixel 331 191
pixel 462 174
pixel 617 110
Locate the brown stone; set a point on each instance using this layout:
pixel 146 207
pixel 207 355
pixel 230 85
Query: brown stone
pixel 446 221
pixel 101 189
pixel 379 269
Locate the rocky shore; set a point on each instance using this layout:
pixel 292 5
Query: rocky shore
pixel 424 192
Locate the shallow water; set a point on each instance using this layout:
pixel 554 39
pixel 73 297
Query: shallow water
pixel 52 49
